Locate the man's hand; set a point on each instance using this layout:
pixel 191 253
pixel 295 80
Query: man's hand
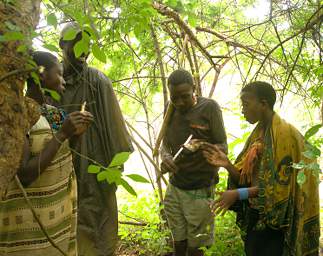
pixel 76 123
pixel 215 155
pixel 226 200
pixel 168 165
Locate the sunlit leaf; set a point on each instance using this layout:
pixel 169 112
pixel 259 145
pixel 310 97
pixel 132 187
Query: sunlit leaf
pixel 301 178
pixel 55 95
pixel 138 178
pixel 99 53
pixel 93 169
pixel 119 159
pixel 81 47
pixel 113 175
pixel 70 34
pixel 101 176
pixel 192 21
pixel 312 131
pixel 127 186
pixel 52 20
pixel 51 47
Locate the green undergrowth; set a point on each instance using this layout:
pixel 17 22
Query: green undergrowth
pixel 152 238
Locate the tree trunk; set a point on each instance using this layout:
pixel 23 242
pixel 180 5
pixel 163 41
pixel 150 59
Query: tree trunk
pixel 17 18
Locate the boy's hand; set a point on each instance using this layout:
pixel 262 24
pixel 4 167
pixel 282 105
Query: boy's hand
pixel 168 165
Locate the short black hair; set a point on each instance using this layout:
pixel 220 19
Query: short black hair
pixel 263 91
pixel 180 76
pixel 45 59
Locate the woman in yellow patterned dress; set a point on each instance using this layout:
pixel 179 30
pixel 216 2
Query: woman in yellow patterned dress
pixel 279 216
pixel 47 175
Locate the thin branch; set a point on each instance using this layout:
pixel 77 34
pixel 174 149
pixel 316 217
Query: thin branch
pixel 137 77
pixel 160 63
pixel 309 24
pixel 216 77
pixel 294 64
pixel 166 11
pixel 150 159
pixel 133 223
pixel 139 135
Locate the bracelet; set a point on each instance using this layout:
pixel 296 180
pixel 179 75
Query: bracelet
pixel 243 193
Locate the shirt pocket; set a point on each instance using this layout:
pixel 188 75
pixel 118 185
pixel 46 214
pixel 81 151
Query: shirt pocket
pixel 200 129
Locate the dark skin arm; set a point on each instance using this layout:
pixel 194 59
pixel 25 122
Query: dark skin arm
pixel 216 157
pixel 228 198
pixel 32 166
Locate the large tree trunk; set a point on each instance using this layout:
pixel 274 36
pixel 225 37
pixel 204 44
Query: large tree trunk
pixel 23 16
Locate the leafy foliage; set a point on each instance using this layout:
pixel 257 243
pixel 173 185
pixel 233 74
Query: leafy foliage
pixel 281 46
pixel 113 173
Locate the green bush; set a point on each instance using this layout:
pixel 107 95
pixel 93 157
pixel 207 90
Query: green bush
pixel 155 239
pixel 151 239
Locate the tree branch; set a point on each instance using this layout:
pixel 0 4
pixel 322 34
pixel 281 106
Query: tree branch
pixel 168 12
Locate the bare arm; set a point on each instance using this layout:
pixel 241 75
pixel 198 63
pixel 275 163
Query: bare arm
pixel 33 166
pixel 228 198
pixel 216 157
pixel 233 172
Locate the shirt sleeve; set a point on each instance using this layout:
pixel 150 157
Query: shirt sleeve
pixel 217 126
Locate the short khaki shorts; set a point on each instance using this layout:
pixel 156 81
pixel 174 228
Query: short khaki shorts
pixel 189 216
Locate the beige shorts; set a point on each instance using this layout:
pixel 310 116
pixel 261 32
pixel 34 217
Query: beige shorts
pixel 189 216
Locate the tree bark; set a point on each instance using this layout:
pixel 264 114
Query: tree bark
pixel 15 115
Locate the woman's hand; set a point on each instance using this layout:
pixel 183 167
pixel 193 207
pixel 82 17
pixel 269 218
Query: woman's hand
pixel 214 155
pixel 76 124
pixel 226 200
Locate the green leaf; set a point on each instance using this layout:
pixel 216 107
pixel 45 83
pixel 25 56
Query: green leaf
pixel 93 169
pixel 312 131
pixel 113 175
pixel 192 21
pixel 12 36
pixel 98 53
pixel 312 148
pixel 12 26
pixel 309 154
pixel 81 47
pixel 299 165
pixel 70 34
pixel 127 186
pixel 54 94
pixel 101 176
pixel 138 178
pixel 119 159
pixel 172 3
pixel 314 167
pixel 51 47
pixel 301 178
pixel 22 48
pixel 35 77
pixel 52 20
